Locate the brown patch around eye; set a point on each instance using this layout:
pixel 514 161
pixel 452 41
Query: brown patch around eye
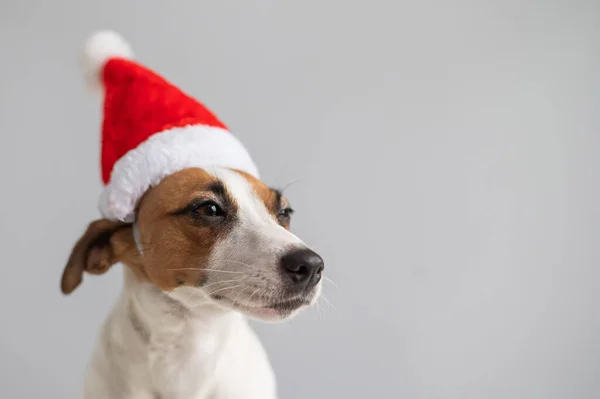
pixel 177 245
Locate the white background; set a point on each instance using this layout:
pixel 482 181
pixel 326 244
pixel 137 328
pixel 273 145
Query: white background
pixel 448 157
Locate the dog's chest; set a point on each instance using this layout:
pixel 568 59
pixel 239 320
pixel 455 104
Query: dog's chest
pixel 183 362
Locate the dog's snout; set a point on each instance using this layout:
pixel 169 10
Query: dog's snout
pixel 303 266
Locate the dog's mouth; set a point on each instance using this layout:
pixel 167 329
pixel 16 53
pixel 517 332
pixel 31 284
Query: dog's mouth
pixel 272 311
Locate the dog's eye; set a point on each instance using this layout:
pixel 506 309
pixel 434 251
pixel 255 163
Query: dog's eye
pixel 284 215
pixel 208 209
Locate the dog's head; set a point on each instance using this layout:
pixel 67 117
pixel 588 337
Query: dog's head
pixel 221 234
pixel 205 225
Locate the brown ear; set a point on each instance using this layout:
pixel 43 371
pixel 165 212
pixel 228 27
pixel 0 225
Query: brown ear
pixel 102 245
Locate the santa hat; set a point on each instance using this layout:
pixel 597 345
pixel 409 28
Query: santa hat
pixel 151 129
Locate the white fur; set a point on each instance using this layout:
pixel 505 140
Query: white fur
pixel 99 48
pixel 252 252
pixel 197 350
pixel 164 154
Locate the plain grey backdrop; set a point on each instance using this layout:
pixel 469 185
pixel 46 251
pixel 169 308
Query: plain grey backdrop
pixel 447 154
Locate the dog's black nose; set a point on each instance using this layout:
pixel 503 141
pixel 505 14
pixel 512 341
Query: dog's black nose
pixel 303 266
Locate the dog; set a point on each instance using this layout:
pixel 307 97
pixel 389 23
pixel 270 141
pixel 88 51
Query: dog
pixel 204 248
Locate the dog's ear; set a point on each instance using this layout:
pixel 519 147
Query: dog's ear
pixel 102 245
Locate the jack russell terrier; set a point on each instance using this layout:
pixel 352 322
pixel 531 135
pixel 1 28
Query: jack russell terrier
pixel 205 244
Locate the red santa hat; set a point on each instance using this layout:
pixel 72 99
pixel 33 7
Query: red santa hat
pixel 150 129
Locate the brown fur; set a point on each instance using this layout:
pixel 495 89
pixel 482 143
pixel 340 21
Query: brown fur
pixel 103 244
pixel 175 249
pixel 173 242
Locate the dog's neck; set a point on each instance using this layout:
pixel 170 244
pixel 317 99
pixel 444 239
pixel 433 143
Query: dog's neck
pixel 153 313
pixel 165 346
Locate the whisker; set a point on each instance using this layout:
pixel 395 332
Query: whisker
pixel 206 270
pixel 255 291
pixel 241 263
pixel 179 303
pixel 319 308
pixel 235 300
pixel 289 185
pixel 237 262
pixel 325 278
pixel 330 304
pixel 219 282
pixel 226 288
